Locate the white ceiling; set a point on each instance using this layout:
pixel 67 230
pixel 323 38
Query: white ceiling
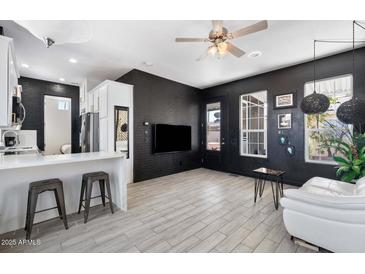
pixel 119 46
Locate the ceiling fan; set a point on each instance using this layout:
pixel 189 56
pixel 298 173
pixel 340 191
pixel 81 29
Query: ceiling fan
pixel 220 37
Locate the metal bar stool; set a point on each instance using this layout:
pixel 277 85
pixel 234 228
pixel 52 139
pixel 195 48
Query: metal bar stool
pixel 35 188
pixel 86 189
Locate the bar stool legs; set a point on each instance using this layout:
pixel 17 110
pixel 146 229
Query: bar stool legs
pixel 86 190
pixel 102 190
pixel 60 199
pixel 31 213
pixel 89 188
pixel 35 188
pixel 106 181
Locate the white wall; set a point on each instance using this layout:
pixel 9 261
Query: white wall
pixel 57 127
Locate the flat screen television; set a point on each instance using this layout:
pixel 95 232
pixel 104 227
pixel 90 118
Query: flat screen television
pixel 168 138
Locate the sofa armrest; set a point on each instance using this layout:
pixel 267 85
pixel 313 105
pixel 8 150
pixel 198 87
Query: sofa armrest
pixel 354 202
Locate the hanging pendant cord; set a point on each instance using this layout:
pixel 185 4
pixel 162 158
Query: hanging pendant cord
pixel 314 66
pixel 353 69
pixel 357 23
pixel 353 52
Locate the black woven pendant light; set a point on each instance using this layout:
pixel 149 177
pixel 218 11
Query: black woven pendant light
pixel 315 103
pixel 352 111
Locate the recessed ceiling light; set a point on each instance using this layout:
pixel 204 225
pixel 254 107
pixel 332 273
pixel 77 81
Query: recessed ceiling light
pixel 147 63
pixel 62 79
pixel 72 60
pixel 254 54
pixel 25 65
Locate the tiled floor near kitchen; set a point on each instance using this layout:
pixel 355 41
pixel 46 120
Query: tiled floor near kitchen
pixel 194 211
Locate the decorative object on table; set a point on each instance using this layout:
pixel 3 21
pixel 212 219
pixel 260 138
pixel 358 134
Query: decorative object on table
pixel 287 100
pixel 290 149
pixel 284 121
pixel 315 103
pixel 283 140
pixel 276 181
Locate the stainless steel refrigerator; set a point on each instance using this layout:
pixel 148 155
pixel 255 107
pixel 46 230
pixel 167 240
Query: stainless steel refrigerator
pixel 89 132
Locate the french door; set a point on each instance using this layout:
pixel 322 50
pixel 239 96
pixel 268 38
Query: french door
pixel 214 133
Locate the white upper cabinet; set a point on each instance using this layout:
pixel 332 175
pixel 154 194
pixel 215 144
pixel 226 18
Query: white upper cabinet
pixel 8 79
pixel 96 100
pixel 106 97
pixel 103 101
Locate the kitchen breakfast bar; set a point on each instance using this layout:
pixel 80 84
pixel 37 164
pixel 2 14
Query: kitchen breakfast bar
pixel 17 171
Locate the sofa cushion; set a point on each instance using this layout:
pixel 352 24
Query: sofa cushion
pixel 360 186
pixel 328 187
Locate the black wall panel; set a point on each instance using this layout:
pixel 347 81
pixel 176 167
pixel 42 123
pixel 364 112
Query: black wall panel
pixel 281 81
pixel 158 100
pixel 33 100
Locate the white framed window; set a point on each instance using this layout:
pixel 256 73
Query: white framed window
pixel 338 89
pixel 253 124
pixel 63 104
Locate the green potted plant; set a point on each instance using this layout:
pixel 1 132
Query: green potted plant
pixel 349 152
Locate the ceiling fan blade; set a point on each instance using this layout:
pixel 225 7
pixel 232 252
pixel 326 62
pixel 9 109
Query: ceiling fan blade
pixel 250 29
pixel 203 56
pixel 191 40
pixel 217 25
pixel 234 50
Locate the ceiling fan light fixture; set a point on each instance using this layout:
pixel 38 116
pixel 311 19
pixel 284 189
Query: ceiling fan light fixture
pixel 212 50
pixel 221 38
pixel 222 48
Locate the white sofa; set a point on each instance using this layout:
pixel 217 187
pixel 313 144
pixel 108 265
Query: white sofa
pixel 327 213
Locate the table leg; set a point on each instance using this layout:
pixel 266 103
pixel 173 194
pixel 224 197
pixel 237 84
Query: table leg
pixel 275 193
pixel 257 186
pixel 262 186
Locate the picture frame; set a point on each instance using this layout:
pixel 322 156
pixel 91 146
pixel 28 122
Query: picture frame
pixel 287 100
pixel 284 121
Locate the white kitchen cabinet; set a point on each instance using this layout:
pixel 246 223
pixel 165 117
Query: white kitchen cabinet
pixel 96 100
pixel 106 96
pixel 103 102
pixel 103 138
pixel 83 97
pixel 90 102
pixel 8 79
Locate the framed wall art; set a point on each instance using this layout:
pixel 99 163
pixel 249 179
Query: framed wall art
pixel 287 100
pixel 284 121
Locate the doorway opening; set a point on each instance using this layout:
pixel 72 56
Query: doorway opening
pixel 57 125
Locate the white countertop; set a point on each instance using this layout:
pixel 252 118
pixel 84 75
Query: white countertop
pixel 35 160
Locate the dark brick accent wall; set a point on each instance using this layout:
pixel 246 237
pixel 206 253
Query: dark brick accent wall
pixel 33 100
pixel 158 100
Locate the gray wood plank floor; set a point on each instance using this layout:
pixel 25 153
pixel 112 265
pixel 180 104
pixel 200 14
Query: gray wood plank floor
pixel 195 211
